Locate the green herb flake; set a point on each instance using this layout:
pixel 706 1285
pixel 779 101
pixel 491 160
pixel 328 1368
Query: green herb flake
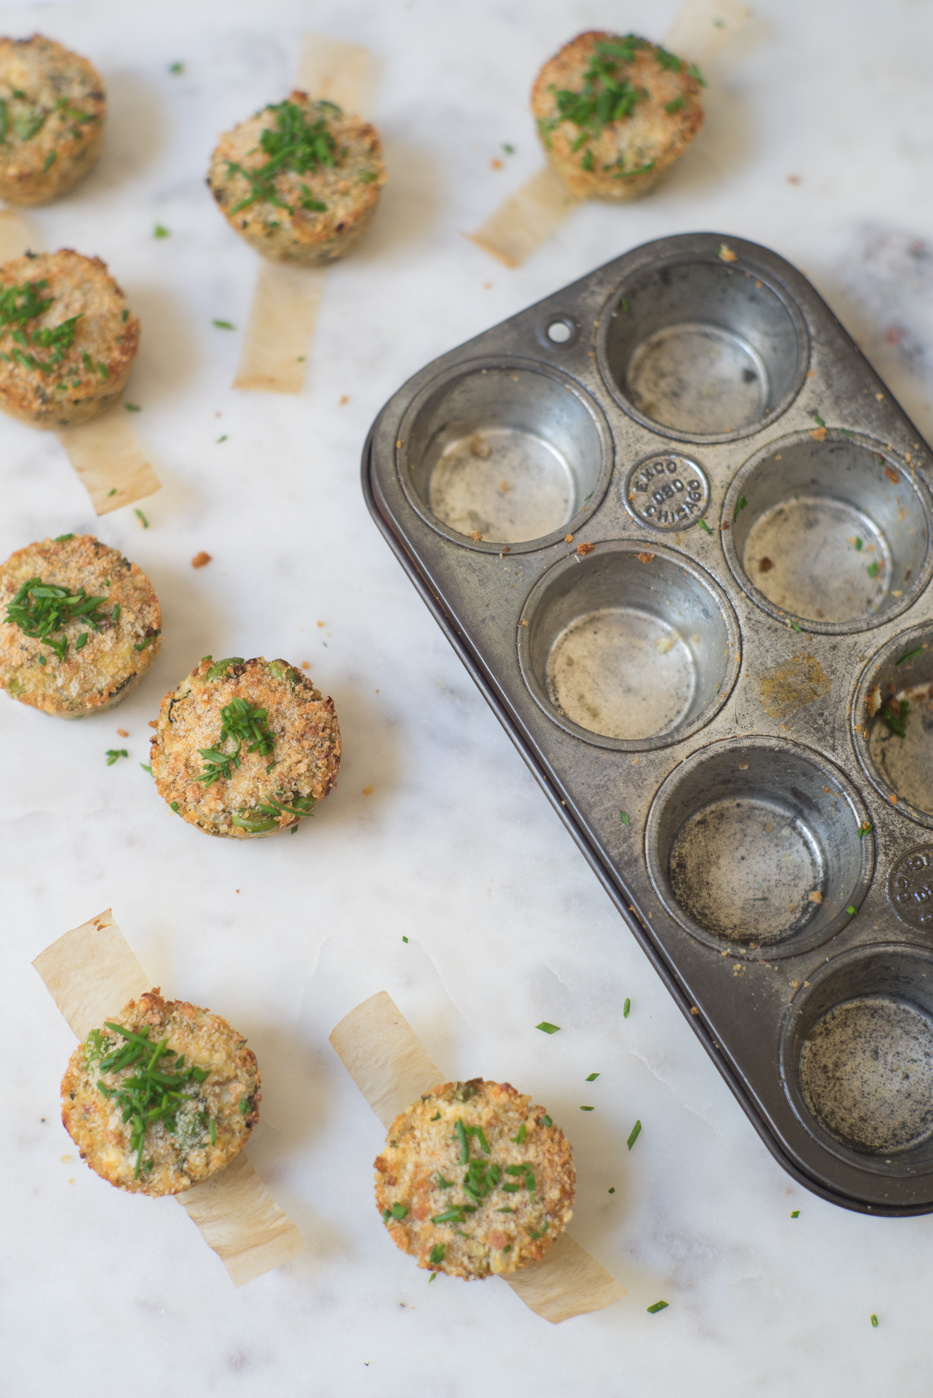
pixel 174 804
pixel 81 642
pixel 111 492
pixel 634 1134
pixel 242 722
pixel 404 939
pixel 795 1213
pixel 115 612
pixel 63 539
pixel 50 160
pixel 858 544
pixel 592 1077
pixel 851 910
pixel 739 506
pixel 677 105
pixel 519 1137
pixel 432 1277
pixel 704 526
pixel 625 818
pixel 160 231
pixel 612 1189
pixel 910 655
pixel 223 324
pixel 894 716
pixel 658 1306
pixel 587 1109
pixel 864 829
pixel 398 1211
pixel 42 609
pixel 146 767
pixel 546 1121
pixel 873 569
pixel 436 1255
pixel 795 626
pixel 874 1322
pixel 176 68
pixel 547 1028
pixel 114 753
pixel 626 1007
pixel 132 407
pixel 293 143
pixel 221 439
pixel 213 1131
pixel 147 641
pixel 142 518
pixel 818 420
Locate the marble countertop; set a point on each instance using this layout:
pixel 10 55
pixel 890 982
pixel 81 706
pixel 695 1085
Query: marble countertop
pixel 455 847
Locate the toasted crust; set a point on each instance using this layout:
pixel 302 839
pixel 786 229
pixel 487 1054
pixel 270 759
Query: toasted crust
pixel 267 792
pixel 92 372
pixel 108 665
pixel 52 122
pixel 286 231
pixel 173 1159
pixel 650 136
pixel 421 1175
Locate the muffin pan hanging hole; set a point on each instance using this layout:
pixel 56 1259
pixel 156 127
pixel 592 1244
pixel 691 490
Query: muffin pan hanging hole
pixel 834 532
pixel 892 719
pixel 492 455
pixel 632 646
pixel 857 1057
pixel 703 349
pixel 754 844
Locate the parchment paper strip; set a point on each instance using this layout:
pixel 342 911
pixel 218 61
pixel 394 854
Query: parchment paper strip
pixel 91 973
pixel 388 1063
pixel 528 218
pixel 286 299
pixel 281 323
pixel 17 236
pixel 109 460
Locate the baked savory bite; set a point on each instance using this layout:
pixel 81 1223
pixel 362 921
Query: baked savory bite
pixel 52 112
pixel 615 112
pixel 474 1180
pixel 67 339
pixel 245 747
pixel 300 181
pixel 79 626
pixel 161 1097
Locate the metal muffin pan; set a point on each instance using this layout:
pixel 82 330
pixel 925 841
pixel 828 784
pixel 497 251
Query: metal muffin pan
pixel 681 535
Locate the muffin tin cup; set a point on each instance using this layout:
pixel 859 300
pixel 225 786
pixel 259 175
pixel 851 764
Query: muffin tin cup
pixel 499 453
pixel 830 528
pixel 666 672
pixel 628 648
pixel 857 1058
pixel 752 845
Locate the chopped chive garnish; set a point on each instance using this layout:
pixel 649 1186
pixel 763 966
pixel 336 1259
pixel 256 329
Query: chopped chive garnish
pixel 874 1322
pixel 625 818
pixel 541 1232
pixel 457 1214
pixel 441 1182
pixel 212 1128
pixel 795 625
pixel 818 420
pixel 399 1211
pixel 176 68
pixel 243 722
pixel 587 1109
pixel 431 1277
pixel 295 144
pixel 546 1121
pixel 858 544
pixel 436 1255
pixel 223 324
pixel 634 1134
pixel 115 612
pixel 40 609
pixel 404 939
pixel 895 717
pixel 739 506
pixel 547 1028
pixel 658 1306
pixel 81 642
pixel 114 753
pixel 159 231
pixel 626 1007
pixel 705 527
pixel 174 804
pixel 132 407
pixel 464 1143
pixel 142 518
pixel 63 539
pixel 592 1077
pixel 509 150
pixel 864 829
pixel 146 767
pixel 851 910
pixel 612 1189
pixel 436 1116
pixel 224 438
pixel 147 641
pixel 911 655
pixel 874 568
pixel 795 1213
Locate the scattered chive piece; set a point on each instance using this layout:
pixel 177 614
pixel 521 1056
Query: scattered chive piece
pixel 114 753
pixel 818 420
pixel 896 718
pixel 795 1213
pixel 519 1136
pixel 404 939
pixel 464 1143
pixel 431 1277
pixel 115 612
pixel 911 654
pixel 624 306
pixel 625 818
pixel 159 231
pixel 176 68
pixel 795 626
pixel 845 431
pixel 864 829
pixel 223 324
pixel 132 407
pixel 658 1306
pixel 221 439
pixel 174 803
pixel 612 1189
pixel 50 160
pixel 81 642
pixel 142 518
pixel 592 1077
pixel 858 544
pixel 851 911
pixel 505 1210
pixel 739 506
pixel 213 1131
pixel 546 1121
pixel 436 1255
pixel 874 1322
pixel 546 1028
pixel 874 568
pixel 509 150
pixel 41 659
pixel 147 641
pixel 146 767
pixel 634 1135
pixel 399 1211
pixel 63 539
pixel 111 492
pixel 587 1109
pixel 626 1007
pixel 441 1182
pixel 436 1116
pixel 705 527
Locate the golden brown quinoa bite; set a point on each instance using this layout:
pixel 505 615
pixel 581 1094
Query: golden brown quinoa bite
pixel 79 626
pixel 474 1180
pixel 245 747
pixel 52 112
pixel 67 339
pixel 300 181
pixel 161 1097
pixel 614 112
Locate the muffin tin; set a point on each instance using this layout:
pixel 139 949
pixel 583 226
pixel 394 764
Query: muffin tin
pixel 680 534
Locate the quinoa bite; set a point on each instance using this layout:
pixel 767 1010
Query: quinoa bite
pixel 474 1180
pixel 614 112
pixel 67 339
pixel 79 626
pixel 300 180
pixel 161 1097
pixel 52 112
pixel 245 748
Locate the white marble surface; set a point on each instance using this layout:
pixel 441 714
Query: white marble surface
pixel 456 848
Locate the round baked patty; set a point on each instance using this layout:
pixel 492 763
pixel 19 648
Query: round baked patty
pixel 474 1180
pixel 300 181
pixel 67 339
pixel 79 625
pixel 245 747
pixel 161 1097
pixel 614 112
pixel 52 112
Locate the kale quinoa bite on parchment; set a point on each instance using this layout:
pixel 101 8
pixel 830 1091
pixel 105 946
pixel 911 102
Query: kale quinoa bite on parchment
pixel 245 748
pixel 615 112
pixel 474 1180
pixel 52 112
pixel 79 626
pixel 161 1097
pixel 299 181
pixel 67 339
